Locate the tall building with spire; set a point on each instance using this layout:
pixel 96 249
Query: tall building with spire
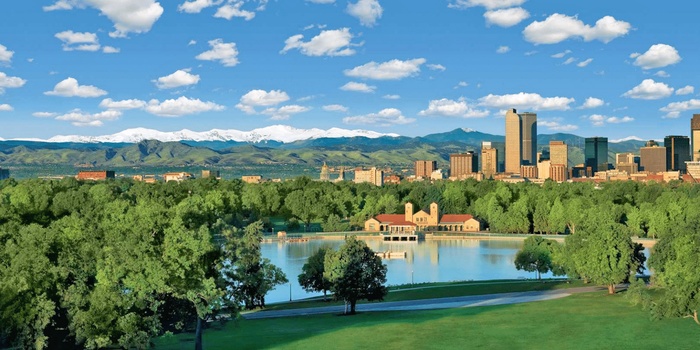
pixel 521 140
pixel 325 173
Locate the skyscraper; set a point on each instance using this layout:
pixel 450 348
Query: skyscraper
pixel 489 161
pixel 695 136
pixel 500 148
pixel 521 140
pixel 463 163
pixel 559 155
pixel 677 152
pixel 596 153
pixel 424 168
pixel 653 159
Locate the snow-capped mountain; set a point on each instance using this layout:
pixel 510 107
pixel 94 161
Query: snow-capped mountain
pixel 279 133
pixel 628 138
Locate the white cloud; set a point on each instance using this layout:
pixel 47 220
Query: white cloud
pixel 128 16
pixel 80 118
pixel 601 120
pixel 592 102
pixel 530 53
pixel 649 90
pixel 686 90
pixel 385 117
pixel 659 55
pixel 261 98
pixel 674 109
pixel 461 84
pixel 358 87
pixel 70 88
pixel 502 49
pixel 335 108
pixel 44 114
pixel 181 77
pixel 450 108
pixel 584 63
pixel 506 17
pixel 5 54
pixel 226 53
pixel 557 28
pixel 77 41
pixel 561 54
pixel 328 43
pixel 108 103
pixel 527 101
pixel 197 6
pixel 391 97
pixel 110 49
pixel 321 1
pixel 192 42
pixel 436 67
pixel 367 11
pixel 488 4
pixel 284 112
pixel 4 107
pixel 233 9
pixel 7 82
pixel 662 74
pixel 555 125
pixel 570 60
pixel 390 70
pixel 180 107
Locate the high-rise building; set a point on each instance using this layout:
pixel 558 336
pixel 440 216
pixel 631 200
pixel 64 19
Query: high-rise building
pixel 489 162
pixel 424 168
pixel 695 136
pixel 559 155
pixel 596 153
pixel 463 163
pixel 543 169
pixel 627 162
pixel 500 148
pixel 677 152
pixel 528 171
pixel 372 175
pixel 558 172
pixel 653 159
pixel 521 140
pixel 325 173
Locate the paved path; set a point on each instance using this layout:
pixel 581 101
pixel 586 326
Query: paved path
pixel 431 304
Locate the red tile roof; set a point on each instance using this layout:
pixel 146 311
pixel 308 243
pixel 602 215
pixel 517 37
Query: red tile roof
pixel 390 218
pixel 455 218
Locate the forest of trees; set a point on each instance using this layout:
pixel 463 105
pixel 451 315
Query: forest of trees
pixel 119 262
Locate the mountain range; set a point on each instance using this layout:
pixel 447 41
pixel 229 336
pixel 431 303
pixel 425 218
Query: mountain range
pixel 272 145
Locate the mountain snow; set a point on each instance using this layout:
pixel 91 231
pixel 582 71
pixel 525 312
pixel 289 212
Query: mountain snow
pixel 468 130
pixel 628 138
pixel 279 133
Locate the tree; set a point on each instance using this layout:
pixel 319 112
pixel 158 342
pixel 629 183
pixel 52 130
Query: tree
pixel 536 255
pixel 311 277
pixel 335 224
pixel 355 273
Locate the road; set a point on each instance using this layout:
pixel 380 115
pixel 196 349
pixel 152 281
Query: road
pixel 430 304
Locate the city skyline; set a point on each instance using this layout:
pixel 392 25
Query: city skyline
pixel 95 67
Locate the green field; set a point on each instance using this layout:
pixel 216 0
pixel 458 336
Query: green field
pixel 581 321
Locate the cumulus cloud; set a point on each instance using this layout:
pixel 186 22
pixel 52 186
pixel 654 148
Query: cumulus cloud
pixel 686 90
pixel 7 82
pixel 261 98
pixel 436 67
pixel 181 77
pixel 390 70
pixel 4 107
pixel 225 53
pixel 584 63
pixel 659 55
pixel 461 84
pixel 233 9
pixel 128 16
pixel 592 102
pixel 570 60
pixel 80 118
pixel 197 6
pixel 601 120
pixel 367 11
pixel 662 74
pixel 358 87
pixel 327 43
pixel 70 88
pixel 5 54
pixel 674 109
pixel 44 114
pixel 180 107
pixel 392 97
pixel 524 100
pixel 502 49
pixel 76 41
pixel 450 108
pixel 506 17
pixel 488 4
pixel 561 54
pixel 108 103
pixel 335 108
pixel 385 117
pixel 284 112
pixel 649 90
pixel 557 28
pixel 110 49
pixel 555 125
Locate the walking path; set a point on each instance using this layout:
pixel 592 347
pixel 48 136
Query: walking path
pixel 431 304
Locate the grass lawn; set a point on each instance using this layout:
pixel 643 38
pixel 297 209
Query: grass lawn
pixel 581 321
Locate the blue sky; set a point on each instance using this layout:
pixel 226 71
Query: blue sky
pixel 413 67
